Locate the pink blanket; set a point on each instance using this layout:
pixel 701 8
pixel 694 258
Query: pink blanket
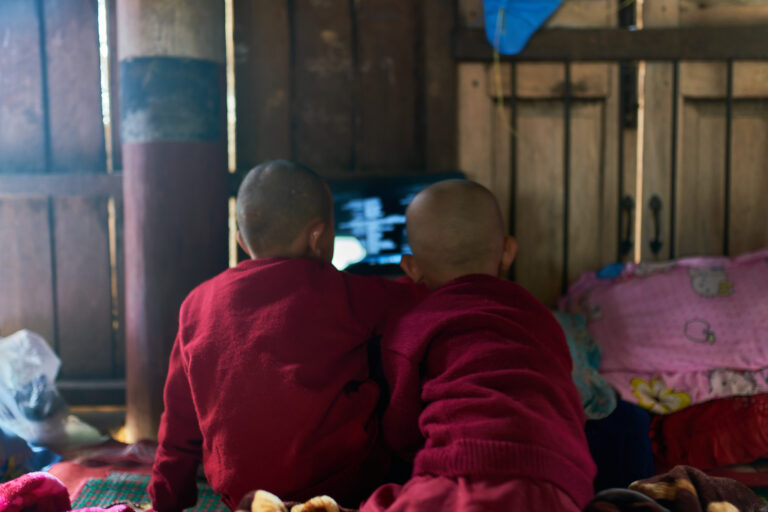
pixel 682 332
pixel 41 492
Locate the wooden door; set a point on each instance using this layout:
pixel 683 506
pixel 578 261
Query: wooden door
pixel 704 140
pixel 513 139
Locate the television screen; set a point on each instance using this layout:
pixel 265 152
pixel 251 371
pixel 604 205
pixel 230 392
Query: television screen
pixel 370 220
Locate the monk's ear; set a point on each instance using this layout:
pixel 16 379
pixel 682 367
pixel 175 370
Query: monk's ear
pixel 411 268
pixel 508 254
pixel 242 244
pixel 320 242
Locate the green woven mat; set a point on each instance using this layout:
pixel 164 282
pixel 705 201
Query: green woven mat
pixel 102 492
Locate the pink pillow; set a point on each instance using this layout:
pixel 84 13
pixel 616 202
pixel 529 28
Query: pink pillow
pixel 682 332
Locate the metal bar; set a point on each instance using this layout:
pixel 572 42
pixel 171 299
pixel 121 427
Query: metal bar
pixel 566 169
pixel 681 43
pixel 70 184
pixel 512 155
pixel 673 164
pixel 92 392
pixel 620 167
pixel 728 123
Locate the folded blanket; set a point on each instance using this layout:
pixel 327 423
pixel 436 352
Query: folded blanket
pixel 710 435
pixel 683 489
pixel 41 492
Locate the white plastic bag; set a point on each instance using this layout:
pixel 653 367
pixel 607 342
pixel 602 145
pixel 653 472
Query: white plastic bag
pixel 30 405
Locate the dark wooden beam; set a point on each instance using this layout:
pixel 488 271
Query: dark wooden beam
pixel 75 184
pixel 686 43
pixel 92 392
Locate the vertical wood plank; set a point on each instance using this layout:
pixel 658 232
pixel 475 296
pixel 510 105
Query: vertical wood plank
pixel 475 124
pixel 74 91
pixel 660 13
pixel 262 81
pixel 723 12
pixel 750 79
pixel 700 185
pixel 585 14
pixel 700 79
pixel 539 202
pixel 749 177
pixel 656 154
pixel 83 287
pixel 324 85
pixel 22 144
pixel 655 144
pixel 501 181
pixel 386 135
pixel 439 84
pixel 609 180
pixel 26 297
pixel 587 227
pixel 118 291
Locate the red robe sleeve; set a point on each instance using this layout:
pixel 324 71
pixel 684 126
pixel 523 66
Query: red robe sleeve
pixel 173 486
pixel 400 423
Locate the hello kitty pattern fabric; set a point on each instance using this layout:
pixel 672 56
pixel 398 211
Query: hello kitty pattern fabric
pixel 679 333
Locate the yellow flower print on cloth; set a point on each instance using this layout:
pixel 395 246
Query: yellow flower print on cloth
pixel 657 397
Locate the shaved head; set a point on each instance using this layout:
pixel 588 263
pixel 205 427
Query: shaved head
pixel 276 203
pixel 455 227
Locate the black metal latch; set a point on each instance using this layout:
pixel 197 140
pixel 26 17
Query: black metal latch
pixel 655 205
pixel 627 210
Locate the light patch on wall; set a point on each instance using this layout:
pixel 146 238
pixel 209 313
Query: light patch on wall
pixel 232 233
pixel 106 111
pixel 112 207
pixel 640 135
pixel 229 34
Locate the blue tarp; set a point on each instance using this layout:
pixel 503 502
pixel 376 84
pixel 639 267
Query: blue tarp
pixel 509 24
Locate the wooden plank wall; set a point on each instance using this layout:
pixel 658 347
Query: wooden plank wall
pixel 512 139
pixel 346 87
pixel 55 261
pixel 695 221
pixel 701 184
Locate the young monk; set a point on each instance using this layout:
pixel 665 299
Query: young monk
pixel 268 383
pixel 480 374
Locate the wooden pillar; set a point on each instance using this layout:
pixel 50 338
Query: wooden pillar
pixel 172 114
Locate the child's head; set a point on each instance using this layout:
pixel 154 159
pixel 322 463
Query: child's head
pixel 285 210
pixel 455 229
